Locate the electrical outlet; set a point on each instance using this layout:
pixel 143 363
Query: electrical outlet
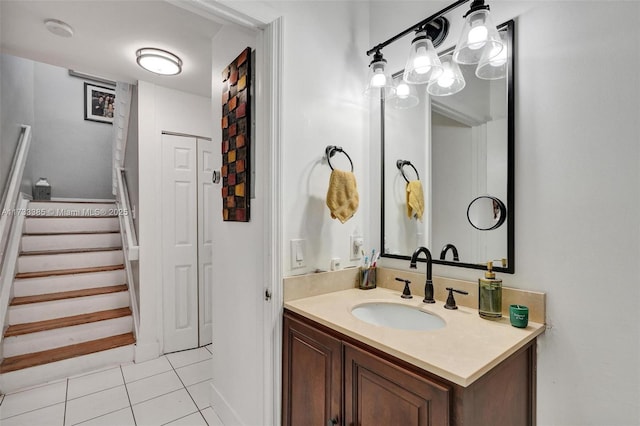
pixel 355 248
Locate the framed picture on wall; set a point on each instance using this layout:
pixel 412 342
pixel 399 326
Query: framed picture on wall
pixel 99 103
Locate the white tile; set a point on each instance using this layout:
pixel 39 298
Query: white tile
pixel 122 417
pixel 211 417
pixel 164 409
pixel 194 419
pixel 96 405
pixel 151 387
pixel 49 416
pixel 180 359
pixel 209 347
pixel 32 399
pixel 196 373
pixel 200 393
pixel 139 371
pixel 94 382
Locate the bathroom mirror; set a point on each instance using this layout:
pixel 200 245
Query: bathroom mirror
pixel 462 147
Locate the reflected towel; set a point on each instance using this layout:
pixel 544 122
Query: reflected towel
pixel 342 196
pixel 415 199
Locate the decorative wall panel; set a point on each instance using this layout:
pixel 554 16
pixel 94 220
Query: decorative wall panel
pixel 236 141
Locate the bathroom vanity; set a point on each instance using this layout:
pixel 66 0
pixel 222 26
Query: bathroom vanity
pixel 340 370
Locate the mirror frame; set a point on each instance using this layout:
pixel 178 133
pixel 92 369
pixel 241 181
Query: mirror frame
pixel 509 26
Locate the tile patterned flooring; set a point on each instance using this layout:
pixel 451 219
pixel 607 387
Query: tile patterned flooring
pixel 170 390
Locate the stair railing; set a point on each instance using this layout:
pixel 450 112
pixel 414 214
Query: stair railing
pixel 14 209
pixel 12 187
pixel 129 241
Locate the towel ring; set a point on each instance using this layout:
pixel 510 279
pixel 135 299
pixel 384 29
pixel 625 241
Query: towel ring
pixel 331 150
pixel 400 165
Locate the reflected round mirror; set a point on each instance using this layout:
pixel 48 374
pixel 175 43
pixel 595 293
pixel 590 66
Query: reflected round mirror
pixel 486 213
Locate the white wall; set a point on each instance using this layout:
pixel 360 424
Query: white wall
pixel 16 107
pixel 577 202
pixel 159 109
pixel 237 261
pixel 324 80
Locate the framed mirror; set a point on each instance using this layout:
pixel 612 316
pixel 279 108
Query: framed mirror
pixel 461 149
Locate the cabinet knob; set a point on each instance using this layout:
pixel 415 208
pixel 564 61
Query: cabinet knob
pixel 333 421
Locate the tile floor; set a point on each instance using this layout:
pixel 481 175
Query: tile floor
pixel 171 390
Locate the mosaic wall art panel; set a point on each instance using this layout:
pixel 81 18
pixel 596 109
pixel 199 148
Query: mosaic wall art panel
pixel 236 132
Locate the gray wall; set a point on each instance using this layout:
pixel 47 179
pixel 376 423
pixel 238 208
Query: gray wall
pixel 74 154
pixel 16 107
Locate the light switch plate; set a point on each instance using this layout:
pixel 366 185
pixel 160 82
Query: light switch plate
pixel 298 254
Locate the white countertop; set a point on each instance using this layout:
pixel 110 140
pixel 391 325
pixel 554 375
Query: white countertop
pixel 461 352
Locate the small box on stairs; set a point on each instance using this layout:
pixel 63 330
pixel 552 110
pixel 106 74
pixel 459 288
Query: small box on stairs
pixel 42 190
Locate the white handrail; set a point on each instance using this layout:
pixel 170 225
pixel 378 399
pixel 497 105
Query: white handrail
pixel 129 243
pixel 10 197
pixel 132 249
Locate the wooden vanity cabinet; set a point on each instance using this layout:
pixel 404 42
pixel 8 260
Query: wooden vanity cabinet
pixel 329 378
pixel 311 376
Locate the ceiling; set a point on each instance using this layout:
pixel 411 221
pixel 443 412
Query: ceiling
pixel 107 34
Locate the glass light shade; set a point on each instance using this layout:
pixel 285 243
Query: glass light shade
pixel 404 96
pixel 451 81
pixel 159 61
pixel 379 78
pixel 494 67
pixel 478 34
pixel 423 65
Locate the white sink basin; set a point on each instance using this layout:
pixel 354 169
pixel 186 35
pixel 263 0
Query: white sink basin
pixel 397 316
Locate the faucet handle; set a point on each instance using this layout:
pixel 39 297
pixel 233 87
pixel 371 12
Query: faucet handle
pixel 451 302
pixel 406 293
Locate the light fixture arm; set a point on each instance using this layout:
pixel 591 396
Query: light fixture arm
pixel 420 25
pixel 476 5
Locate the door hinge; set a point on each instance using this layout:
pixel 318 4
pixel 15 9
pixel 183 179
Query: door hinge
pixel 267 295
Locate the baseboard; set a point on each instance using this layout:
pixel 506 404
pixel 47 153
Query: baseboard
pixel 146 351
pixel 223 409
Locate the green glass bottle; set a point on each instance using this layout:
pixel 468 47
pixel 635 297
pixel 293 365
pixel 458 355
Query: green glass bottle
pixel 490 295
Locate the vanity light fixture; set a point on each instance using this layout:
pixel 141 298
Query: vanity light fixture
pixel 158 61
pixel 451 81
pixel 379 79
pixel 480 43
pixel 423 64
pixel 404 96
pixel 479 36
pixel 494 67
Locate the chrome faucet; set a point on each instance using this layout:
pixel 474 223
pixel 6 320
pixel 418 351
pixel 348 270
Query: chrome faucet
pixel 428 285
pixel 446 248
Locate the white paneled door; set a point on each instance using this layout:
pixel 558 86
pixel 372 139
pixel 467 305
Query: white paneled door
pixel 205 239
pixel 186 241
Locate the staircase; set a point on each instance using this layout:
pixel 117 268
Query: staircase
pixel 70 311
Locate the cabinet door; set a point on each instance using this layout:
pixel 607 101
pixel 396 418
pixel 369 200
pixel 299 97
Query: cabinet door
pixel 380 393
pixel 311 376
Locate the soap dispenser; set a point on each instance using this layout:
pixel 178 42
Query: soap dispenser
pixel 490 295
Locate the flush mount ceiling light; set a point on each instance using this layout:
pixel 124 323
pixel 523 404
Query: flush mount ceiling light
pixel 158 61
pixel 58 27
pixel 479 36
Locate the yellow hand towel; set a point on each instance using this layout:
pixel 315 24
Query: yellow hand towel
pixel 342 196
pixel 415 199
